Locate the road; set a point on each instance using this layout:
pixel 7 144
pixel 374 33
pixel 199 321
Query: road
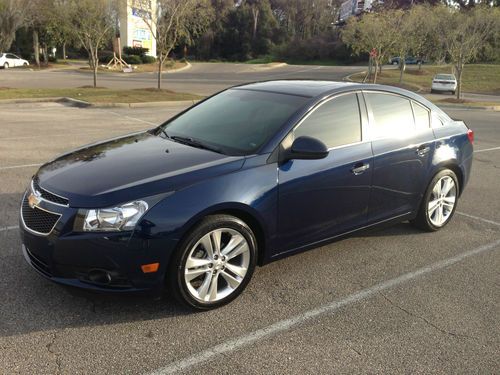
pixel 201 78
pixel 391 301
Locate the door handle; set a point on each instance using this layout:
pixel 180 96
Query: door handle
pixel 360 168
pixel 423 149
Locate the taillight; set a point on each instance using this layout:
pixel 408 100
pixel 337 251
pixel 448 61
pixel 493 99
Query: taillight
pixel 470 135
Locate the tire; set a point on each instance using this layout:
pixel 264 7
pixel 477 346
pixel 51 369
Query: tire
pixel 453 92
pixel 6 65
pixel 25 64
pixel 432 91
pixel 438 206
pixel 197 263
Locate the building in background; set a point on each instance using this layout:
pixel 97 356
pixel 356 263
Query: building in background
pixel 134 31
pixel 351 8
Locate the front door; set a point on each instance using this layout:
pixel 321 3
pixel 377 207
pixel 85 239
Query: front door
pixel 319 199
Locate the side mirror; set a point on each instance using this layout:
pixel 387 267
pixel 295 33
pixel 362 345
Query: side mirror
pixel 307 148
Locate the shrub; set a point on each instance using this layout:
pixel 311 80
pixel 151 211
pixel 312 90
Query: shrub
pixel 132 59
pixel 135 51
pixel 105 56
pixel 146 59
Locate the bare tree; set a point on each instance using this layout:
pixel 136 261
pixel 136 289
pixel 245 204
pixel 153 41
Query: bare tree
pixel 463 34
pixel 373 31
pixel 173 21
pixel 93 22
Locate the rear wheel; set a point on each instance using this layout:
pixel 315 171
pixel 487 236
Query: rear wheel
pixel 6 65
pixel 214 263
pixel 439 202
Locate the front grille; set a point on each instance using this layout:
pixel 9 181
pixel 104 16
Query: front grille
pixel 38 264
pixel 47 195
pixel 37 219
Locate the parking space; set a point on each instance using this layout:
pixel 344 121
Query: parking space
pixel 390 301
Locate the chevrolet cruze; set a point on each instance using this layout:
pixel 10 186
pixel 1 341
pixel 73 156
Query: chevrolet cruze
pixel 250 175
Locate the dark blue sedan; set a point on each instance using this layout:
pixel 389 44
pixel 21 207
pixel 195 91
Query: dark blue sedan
pixel 250 175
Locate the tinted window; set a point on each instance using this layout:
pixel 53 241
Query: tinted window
pixel 238 122
pixel 335 123
pixel 392 114
pixel 421 117
pixel 11 56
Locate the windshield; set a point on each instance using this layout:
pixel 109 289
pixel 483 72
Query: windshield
pixel 445 76
pixel 237 122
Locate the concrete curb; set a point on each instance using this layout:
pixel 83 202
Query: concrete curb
pixel 495 108
pixel 83 104
pixel 188 66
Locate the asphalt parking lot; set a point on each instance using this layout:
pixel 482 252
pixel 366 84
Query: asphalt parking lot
pixel 392 301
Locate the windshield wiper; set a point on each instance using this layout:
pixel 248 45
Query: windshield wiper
pixel 164 132
pixel 195 143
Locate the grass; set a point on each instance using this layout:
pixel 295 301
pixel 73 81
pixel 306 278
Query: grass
pixel 267 59
pixel 476 78
pixel 99 95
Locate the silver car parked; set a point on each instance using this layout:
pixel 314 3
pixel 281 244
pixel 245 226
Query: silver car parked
pixel 443 83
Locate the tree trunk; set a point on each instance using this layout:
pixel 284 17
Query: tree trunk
pixel 377 65
pixel 459 67
pixel 160 67
pixel 45 52
pixel 402 67
pixel 64 51
pixel 255 13
pixel 36 47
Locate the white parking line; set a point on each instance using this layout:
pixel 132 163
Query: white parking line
pixel 287 324
pixel 128 117
pixel 19 166
pixel 478 218
pixel 5 229
pixel 488 149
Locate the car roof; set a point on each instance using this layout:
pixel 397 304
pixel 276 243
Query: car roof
pixel 303 87
pixel 316 89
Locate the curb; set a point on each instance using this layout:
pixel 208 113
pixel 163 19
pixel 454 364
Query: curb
pixel 83 104
pixel 188 66
pixel 495 108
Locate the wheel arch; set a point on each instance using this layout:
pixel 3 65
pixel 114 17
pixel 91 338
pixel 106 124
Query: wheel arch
pixel 455 168
pixel 241 211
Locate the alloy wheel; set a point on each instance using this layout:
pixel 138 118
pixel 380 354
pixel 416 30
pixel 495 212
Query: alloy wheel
pixel 442 201
pixel 216 265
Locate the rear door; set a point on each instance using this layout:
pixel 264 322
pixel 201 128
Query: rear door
pixel 319 199
pixel 403 145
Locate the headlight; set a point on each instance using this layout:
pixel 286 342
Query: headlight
pixel 123 217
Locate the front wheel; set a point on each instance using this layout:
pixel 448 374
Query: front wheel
pixel 439 202
pixel 6 66
pixel 214 263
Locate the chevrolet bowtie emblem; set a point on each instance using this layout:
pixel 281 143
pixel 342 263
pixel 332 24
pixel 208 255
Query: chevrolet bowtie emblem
pixel 33 200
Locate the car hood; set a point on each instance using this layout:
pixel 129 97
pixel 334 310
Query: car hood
pixel 131 167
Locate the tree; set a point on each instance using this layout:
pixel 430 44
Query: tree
pixel 12 16
pixel 462 34
pixel 373 31
pixel 93 22
pixel 173 21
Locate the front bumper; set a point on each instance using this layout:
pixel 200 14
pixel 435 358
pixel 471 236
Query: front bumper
pixel 108 262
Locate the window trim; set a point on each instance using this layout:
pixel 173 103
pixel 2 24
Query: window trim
pixel 362 119
pixel 371 117
pixel 429 120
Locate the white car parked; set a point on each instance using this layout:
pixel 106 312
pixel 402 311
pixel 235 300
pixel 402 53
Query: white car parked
pixel 444 82
pixel 9 60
